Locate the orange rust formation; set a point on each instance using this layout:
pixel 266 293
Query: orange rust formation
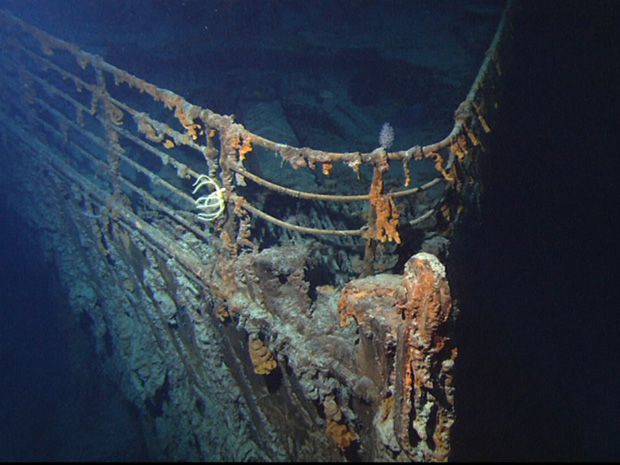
pixel 459 147
pixel 336 429
pixel 243 145
pixel 340 434
pixel 185 118
pixel 386 213
pixel 411 316
pixel 428 358
pixel 221 313
pixel 439 166
pixel 358 301
pixel 262 358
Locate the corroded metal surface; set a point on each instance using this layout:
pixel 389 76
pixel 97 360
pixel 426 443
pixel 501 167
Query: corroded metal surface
pixel 406 347
pixel 239 341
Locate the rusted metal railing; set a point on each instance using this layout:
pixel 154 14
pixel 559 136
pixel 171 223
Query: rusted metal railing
pixel 38 63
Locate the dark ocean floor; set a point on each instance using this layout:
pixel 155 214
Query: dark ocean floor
pixel 55 402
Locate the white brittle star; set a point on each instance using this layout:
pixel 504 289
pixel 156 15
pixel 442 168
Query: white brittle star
pixel 212 205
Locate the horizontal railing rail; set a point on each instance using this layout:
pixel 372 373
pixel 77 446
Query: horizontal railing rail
pixel 221 142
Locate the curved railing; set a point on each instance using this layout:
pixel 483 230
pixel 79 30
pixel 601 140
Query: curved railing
pixel 37 69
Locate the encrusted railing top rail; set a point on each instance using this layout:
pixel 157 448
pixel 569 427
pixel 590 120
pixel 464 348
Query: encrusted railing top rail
pixel 223 143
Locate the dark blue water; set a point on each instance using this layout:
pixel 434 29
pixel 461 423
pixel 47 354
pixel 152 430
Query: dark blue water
pixel 539 341
pixel 32 349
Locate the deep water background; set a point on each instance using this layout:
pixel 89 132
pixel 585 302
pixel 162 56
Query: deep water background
pixel 538 375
